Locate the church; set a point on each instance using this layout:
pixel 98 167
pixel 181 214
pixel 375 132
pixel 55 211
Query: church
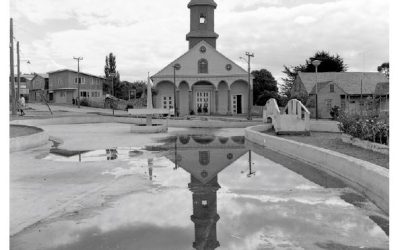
pixel 205 81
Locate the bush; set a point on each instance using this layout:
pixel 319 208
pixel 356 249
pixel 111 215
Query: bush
pixel 129 106
pixel 334 112
pixel 367 128
pixel 84 102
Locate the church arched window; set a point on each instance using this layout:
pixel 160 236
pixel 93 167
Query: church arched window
pixel 203 66
pixel 202 18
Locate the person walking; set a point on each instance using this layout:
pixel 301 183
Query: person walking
pixel 21 104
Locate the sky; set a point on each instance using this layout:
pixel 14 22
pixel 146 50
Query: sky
pixel 147 35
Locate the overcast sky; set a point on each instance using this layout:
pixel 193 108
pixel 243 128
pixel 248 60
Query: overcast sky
pixel 147 35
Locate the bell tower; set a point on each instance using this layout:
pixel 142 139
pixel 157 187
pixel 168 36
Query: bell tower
pixel 202 22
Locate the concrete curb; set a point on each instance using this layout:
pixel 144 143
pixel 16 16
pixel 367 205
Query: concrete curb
pixel 29 141
pixel 376 147
pixel 131 120
pixel 365 177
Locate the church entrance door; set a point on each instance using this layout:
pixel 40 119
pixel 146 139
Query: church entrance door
pixel 203 102
pixel 237 104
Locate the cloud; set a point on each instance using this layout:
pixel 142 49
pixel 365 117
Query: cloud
pixel 147 35
pixel 304 20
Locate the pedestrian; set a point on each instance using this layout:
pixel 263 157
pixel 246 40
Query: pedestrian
pixel 21 104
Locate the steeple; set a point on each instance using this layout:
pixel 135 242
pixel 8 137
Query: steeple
pixel 205 216
pixel 202 22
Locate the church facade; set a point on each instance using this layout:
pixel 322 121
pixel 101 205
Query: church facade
pixel 205 82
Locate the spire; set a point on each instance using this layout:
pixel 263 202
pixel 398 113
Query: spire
pixel 202 22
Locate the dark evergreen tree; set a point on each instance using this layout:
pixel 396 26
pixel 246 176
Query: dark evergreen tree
pixel 384 69
pixel 264 87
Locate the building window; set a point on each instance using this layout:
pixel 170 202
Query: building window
pixel 79 80
pixel 332 88
pixel 202 18
pixel 204 157
pixel 168 102
pixel 203 66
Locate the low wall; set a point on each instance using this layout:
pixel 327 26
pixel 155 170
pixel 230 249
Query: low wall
pixel 29 141
pixel 324 126
pixel 376 147
pixel 131 120
pixel 365 177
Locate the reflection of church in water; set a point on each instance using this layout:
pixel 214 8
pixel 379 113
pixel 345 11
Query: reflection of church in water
pixel 204 157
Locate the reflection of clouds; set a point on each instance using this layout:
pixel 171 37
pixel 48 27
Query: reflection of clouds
pixel 269 176
pixel 305 223
pixel 279 209
pixel 141 236
pixel 154 209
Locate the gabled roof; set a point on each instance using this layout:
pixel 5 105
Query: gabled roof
pixel 382 88
pixel 350 82
pixel 167 70
pixel 43 75
pixel 70 70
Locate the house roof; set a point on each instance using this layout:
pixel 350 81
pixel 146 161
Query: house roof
pixel 27 76
pixel 350 82
pixel 70 70
pixel 382 88
pixel 43 75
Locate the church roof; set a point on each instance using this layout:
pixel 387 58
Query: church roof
pixel 350 82
pixel 192 56
pixel 202 2
pixel 205 156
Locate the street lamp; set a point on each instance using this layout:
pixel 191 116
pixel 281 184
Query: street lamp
pixel 316 63
pixel 175 67
pixel 249 105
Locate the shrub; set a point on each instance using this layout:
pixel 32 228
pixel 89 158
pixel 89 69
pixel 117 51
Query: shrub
pixel 334 112
pixel 84 102
pixel 129 106
pixel 366 128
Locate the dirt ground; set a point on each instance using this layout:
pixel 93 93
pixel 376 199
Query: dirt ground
pixel 332 141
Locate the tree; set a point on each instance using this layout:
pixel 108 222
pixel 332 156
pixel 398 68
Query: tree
pixel 111 68
pixel 329 63
pixel 264 87
pixel 384 69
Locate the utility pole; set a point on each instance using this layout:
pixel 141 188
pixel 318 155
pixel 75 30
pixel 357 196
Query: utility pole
pixel 249 55
pixel 12 80
pixel 18 71
pixel 316 63
pixel 79 82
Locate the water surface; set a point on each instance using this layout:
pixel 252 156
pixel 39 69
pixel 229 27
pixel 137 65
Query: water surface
pixel 213 192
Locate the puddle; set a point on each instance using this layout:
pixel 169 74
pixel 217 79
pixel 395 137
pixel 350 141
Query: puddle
pixel 217 193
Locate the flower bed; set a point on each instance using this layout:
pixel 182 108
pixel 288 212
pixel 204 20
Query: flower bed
pixel 365 128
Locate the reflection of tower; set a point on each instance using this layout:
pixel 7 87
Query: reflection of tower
pixel 205 216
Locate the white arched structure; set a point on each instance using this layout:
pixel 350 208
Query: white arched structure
pixel 295 118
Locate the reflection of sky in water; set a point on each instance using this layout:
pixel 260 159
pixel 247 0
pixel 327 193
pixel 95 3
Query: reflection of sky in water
pixel 274 209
